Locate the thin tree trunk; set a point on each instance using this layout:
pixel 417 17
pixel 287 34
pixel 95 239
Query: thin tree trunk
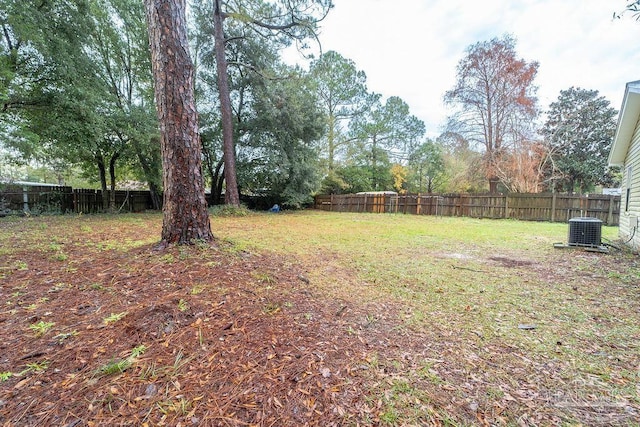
pixel 216 183
pixel 231 194
pixel 185 215
pixel 218 191
pixel 493 185
pixel 154 190
pixel 112 183
pixel 331 140
pixel 150 173
pixel 102 173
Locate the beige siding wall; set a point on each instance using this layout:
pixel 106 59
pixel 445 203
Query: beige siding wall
pixel 628 217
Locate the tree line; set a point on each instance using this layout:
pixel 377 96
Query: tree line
pixel 77 81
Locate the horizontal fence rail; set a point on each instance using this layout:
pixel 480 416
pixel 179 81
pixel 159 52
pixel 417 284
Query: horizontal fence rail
pixel 551 207
pixel 54 199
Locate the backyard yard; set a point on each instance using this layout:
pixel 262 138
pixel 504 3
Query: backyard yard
pixel 315 318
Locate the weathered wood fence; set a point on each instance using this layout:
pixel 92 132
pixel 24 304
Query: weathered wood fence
pixel 552 207
pixel 61 199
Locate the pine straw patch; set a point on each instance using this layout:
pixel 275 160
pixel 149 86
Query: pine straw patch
pixel 218 336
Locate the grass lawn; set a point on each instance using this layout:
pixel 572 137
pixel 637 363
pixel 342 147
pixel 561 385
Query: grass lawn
pixel 315 318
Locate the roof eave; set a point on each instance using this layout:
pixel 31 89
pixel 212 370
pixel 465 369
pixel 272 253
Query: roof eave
pixel 627 120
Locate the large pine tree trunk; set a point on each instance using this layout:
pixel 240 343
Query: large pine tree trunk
pixel 185 215
pixel 232 196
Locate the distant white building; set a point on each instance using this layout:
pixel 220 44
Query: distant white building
pixel 612 191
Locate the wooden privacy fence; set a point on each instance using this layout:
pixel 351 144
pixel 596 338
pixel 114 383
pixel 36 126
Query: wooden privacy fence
pixel 552 207
pixel 61 199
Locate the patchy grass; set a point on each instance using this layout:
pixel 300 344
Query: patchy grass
pixel 40 328
pixel 316 318
pixel 472 283
pixel 114 317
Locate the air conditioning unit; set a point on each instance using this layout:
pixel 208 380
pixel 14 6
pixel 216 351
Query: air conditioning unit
pixel 585 231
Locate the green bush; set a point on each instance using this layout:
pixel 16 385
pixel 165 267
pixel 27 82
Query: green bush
pixel 226 210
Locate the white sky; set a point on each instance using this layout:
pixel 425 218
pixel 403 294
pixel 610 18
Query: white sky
pixel 410 48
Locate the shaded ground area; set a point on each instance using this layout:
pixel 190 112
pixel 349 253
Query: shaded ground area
pixel 120 334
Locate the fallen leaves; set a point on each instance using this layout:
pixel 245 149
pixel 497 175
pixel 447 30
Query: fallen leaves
pixel 255 341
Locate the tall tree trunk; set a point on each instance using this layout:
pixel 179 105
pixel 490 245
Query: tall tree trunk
pixel 112 183
pixel 231 194
pixel 331 142
pixel 102 174
pixel 185 215
pixel 216 182
pixel 493 184
pixel 154 191
pixel 150 174
pixel 218 189
pixel 374 163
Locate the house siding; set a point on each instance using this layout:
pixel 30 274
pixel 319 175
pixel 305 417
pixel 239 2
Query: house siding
pixel 628 217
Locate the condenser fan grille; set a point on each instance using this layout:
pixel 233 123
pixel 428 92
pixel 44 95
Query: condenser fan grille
pixel 585 231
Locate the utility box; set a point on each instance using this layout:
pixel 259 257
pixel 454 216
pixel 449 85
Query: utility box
pixel 585 231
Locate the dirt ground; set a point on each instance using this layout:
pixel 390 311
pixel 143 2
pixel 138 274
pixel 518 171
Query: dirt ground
pixel 200 336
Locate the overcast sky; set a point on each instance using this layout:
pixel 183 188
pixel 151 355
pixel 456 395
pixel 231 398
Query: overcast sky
pixel 410 48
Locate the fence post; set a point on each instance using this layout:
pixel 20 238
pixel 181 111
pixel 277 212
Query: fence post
pixel 25 199
pixel 553 207
pixel 610 215
pixel 506 206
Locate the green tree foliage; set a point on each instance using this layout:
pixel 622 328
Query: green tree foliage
pixel 462 174
pixel 251 61
pixel 55 105
pixel 283 162
pixel 383 132
pixel 357 176
pixel 40 69
pixel 119 46
pixel 579 131
pixel 274 161
pixel 342 91
pixel 495 99
pixel 281 22
pixel 426 168
pixel 79 90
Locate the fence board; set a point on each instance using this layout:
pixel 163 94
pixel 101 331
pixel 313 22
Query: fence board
pixel 61 199
pixel 529 207
pixel 532 207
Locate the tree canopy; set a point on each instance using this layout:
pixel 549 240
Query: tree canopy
pixel 427 167
pixel 495 99
pixel 383 132
pixel 342 90
pixel 579 130
pixel 76 90
pixel 280 21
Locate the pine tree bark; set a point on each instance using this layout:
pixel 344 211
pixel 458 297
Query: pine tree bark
pixel 232 196
pixel 185 215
